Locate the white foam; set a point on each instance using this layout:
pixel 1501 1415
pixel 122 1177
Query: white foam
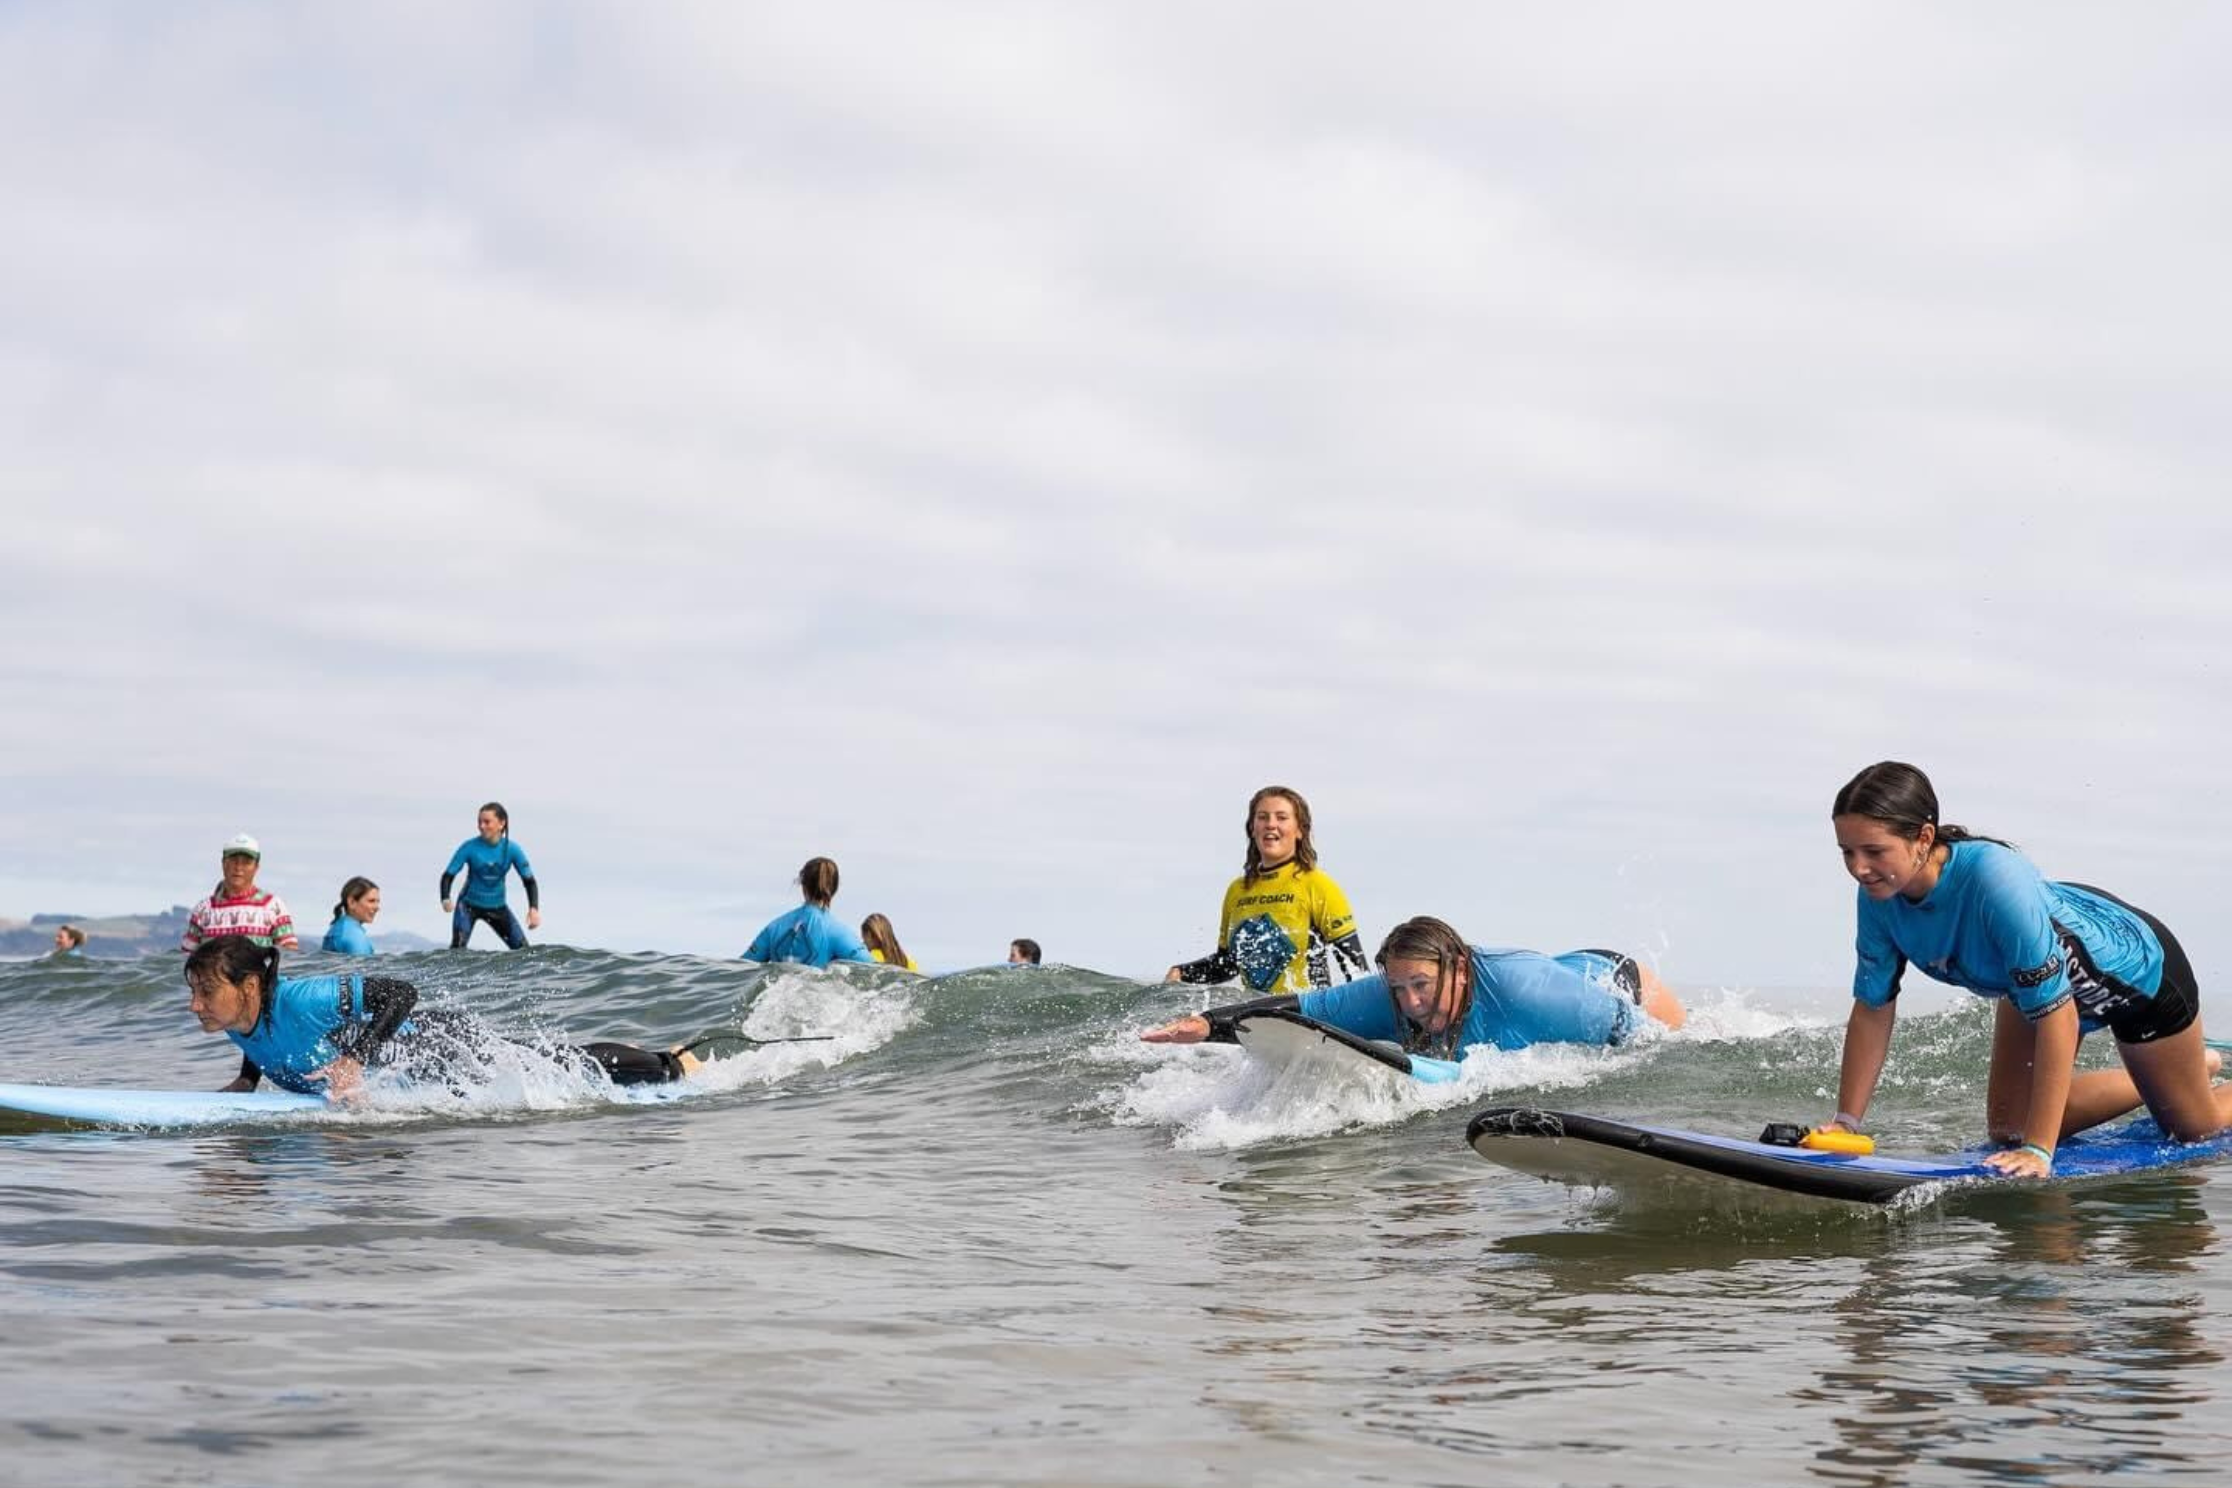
pixel 1731 1013
pixel 842 1018
pixel 1218 1098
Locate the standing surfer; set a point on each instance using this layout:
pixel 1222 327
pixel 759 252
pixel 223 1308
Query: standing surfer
pixel 485 860
pixel 237 906
pixel 1284 918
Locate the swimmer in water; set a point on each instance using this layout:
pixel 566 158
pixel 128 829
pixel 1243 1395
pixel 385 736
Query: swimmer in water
pixel 353 914
pixel 883 943
pixel 809 935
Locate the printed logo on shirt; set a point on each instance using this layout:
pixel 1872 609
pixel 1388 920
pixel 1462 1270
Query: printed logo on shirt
pixel 2038 976
pixel 1263 950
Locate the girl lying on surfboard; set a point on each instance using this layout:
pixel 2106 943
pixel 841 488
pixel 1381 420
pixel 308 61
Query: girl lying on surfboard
pixel 318 1035
pixel 2061 959
pixel 1436 995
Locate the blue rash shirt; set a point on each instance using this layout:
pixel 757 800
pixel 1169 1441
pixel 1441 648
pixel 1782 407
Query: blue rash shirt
pixel 1993 925
pixel 485 864
pixel 346 937
pixel 1518 998
pixel 295 1034
pixel 810 935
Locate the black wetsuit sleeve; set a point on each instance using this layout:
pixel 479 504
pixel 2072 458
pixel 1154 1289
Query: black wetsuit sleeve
pixel 251 1075
pixel 387 1002
pixel 534 894
pixel 1219 965
pixel 1349 951
pixel 447 880
pixel 1223 1019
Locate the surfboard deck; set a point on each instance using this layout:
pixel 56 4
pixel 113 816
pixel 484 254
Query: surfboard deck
pixel 182 1109
pixel 1287 1037
pixel 1595 1152
pixel 114 1107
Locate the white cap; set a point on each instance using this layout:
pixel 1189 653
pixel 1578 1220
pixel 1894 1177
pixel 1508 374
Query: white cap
pixel 242 843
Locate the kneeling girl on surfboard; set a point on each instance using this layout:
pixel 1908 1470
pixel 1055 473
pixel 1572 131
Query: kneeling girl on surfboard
pixel 318 1035
pixel 1437 995
pixel 2061 959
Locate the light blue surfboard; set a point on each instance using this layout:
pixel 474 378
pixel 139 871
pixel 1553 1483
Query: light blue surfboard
pixel 109 1107
pixel 180 1109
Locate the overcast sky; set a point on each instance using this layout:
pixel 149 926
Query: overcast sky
pixel 983 443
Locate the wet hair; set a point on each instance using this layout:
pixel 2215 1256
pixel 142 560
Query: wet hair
pixel 1425 938
pixel 818 881
pixel 501 814
pixel 1029 948
pixel 1900 797
pixel 235 958
pixel 876 931
pixel 74 935
pixel 1305 853
pixel 355 889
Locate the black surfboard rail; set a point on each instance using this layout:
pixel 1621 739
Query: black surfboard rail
pixel 1504 1135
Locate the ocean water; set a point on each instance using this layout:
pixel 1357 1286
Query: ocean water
pixel 984 1236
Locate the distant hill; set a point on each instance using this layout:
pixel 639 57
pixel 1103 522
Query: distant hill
pixel 118 936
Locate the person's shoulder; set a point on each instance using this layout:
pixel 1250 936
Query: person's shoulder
pixel 1995 867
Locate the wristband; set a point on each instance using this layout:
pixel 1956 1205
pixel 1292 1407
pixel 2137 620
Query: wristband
pixel 2043 1155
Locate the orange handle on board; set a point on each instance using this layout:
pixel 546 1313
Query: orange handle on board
pixel 1828 1139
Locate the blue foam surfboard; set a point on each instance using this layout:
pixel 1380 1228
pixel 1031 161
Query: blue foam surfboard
pixel 1593 1152
pixel 109 1107
pixel 1284 1037
pixel 104 1106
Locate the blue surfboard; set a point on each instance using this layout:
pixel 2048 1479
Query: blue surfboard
pixel 1594 1152
pixel 1284 1037
pixel 107 1107
pixel 178 1109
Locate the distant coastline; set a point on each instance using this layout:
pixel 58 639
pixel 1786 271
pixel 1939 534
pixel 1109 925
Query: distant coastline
pixel 119 937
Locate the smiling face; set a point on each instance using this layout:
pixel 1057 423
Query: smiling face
pixel 1881 861
pixel 365 906
pixel 1274 830
pixel 1426 996
pixel 239 871
pixel 491 826
pixel 220 1005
